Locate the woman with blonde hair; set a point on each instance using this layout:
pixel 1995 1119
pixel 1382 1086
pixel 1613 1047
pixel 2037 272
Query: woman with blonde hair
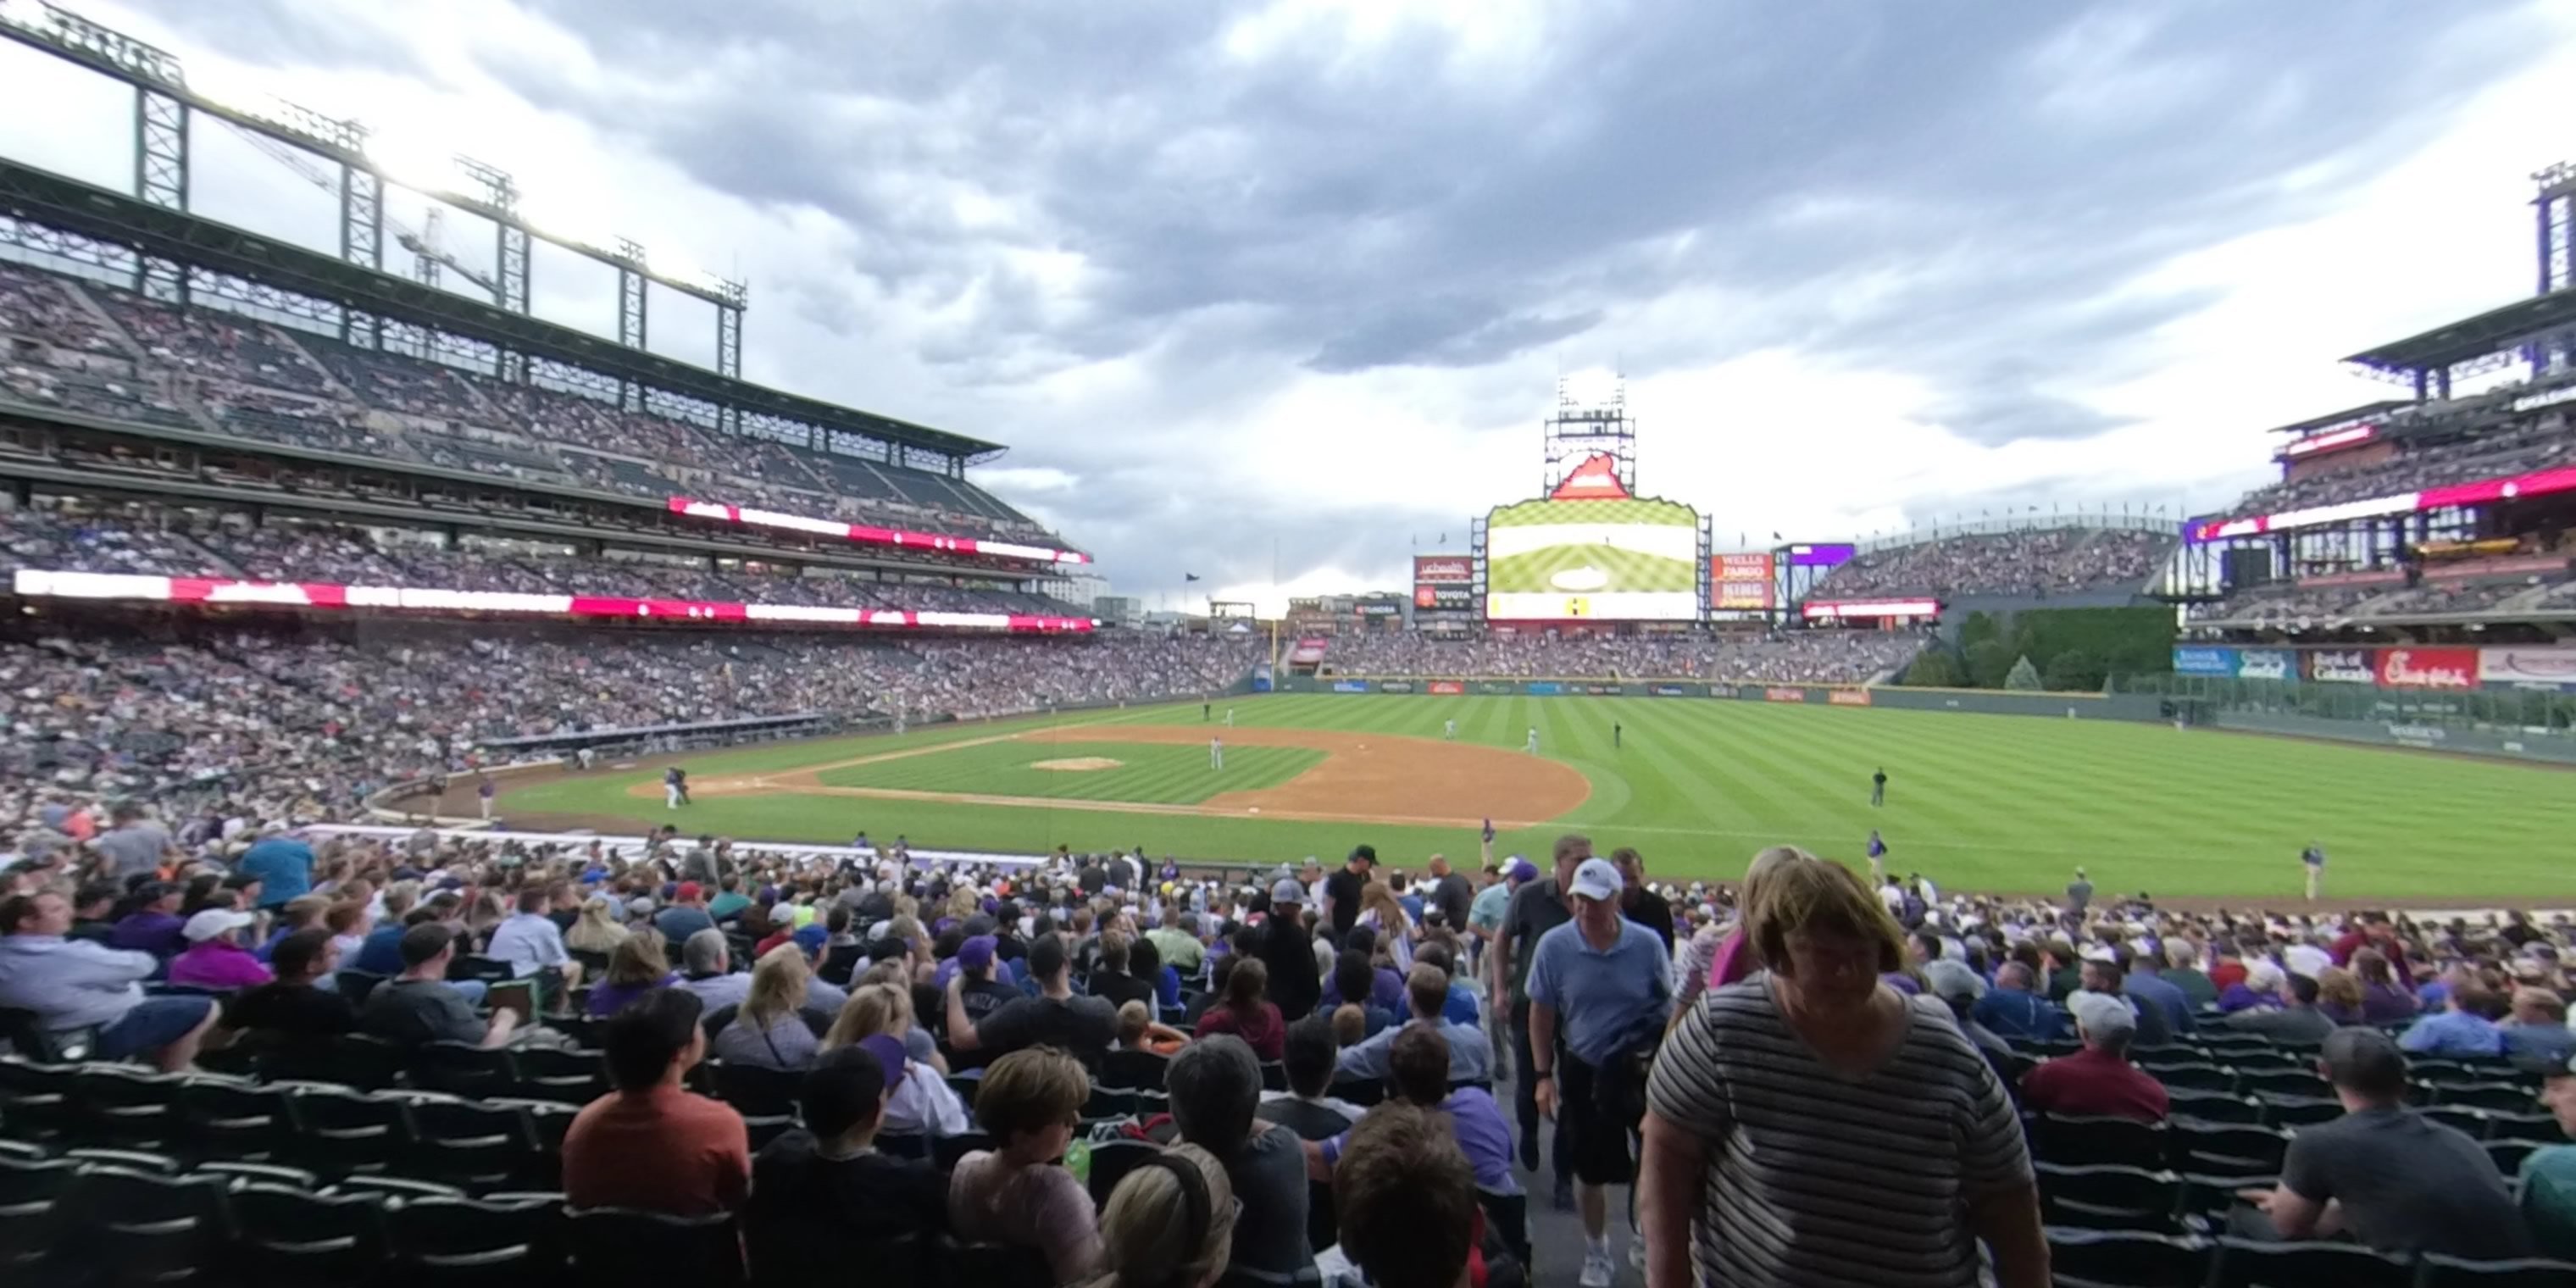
pixel 767 1030
pixel 2339 995
pixel 597 930
pixel 1714 959
pixel 1381 909
pixel 1031 1101
pixel 635 967
pixel 1169 1224
pixel 1812 1124
pixel 923 1101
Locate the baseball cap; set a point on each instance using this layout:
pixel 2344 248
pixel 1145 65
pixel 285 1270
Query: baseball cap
pixel 1597 879
pixel 1953 979
pixel 888 1050
pixel 811 936
pixel 1521 869
pixel 688 890
pixel 2102 1013
pixel 1286 890
pixel 976 953
pixel 1368 852
pixel 212 922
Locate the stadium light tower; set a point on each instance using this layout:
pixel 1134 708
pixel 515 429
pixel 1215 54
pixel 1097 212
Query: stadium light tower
pixel 1590 419
pixel 2556 204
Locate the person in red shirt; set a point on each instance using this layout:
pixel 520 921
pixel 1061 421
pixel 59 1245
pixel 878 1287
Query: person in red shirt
pixel 2372 931
pixel 2098 1079
pixel 648 1144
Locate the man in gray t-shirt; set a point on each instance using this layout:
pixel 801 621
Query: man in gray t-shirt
pixel 135 845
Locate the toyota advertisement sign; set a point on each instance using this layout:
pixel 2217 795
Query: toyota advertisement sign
pixel 2529 667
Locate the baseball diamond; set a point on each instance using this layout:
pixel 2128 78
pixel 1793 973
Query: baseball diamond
pixel 2006 803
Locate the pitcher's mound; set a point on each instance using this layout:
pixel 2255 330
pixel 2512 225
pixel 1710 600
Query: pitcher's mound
pixel 1077 764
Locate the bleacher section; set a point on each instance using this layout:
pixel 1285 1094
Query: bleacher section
pixel 2030 562
pixel 86 347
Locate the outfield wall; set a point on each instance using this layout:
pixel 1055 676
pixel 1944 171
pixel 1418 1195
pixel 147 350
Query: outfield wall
pixel 2505 743
pixel 2085 706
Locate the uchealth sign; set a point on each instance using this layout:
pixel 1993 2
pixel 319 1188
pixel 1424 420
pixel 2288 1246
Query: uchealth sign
pixel 1456 569
pixel 2267 664
pixel 2428 668
pixel 2553 667
pixel 2343 666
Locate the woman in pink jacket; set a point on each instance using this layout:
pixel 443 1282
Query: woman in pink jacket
pixel 215 956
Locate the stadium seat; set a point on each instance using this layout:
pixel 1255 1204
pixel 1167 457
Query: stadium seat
pixel 620 1248
pixel 462 1069
pixel 764 1128
pixel 138 1160
pixel 995 1265
pixel 224 1117
pixel 2094 1139
pixel 450 1241
pixel 946 1150
pixel 1110 1163
pixel 2509 1097
pixel 757 1092
pixel 1274 1076
pixel 2465 1118
pixel 2107 1197
pixel 792 1259
pixel 29 1040
pixel 554 1073
pixel 2204 1201
pixel 2283 1082
pixel 2508 1154
pixel 470 1143
pixel 128 1226
pixel 1106 1103
pixel 1131 1070
pixel 2520 1126
pixel 2298 1111
pixel 2126 1259
pixel 288 1236
pixel 965 1086
pixel 2214 1106
pixel 904 1144
pixel 2195 1075
pixel 406 1189
pixel 339 1132
pixel 2227 1149
pixel 2433 1270
pixel 125 1105
pixel 37 1098
pixel 2255 1263
pixel 264 1173
pixel 31 1191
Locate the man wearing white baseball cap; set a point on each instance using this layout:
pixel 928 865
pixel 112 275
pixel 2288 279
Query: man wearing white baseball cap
pixel 1600 989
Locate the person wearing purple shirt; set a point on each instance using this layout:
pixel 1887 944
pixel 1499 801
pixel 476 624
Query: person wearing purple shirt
pixel 1418 1073
pixel 215 957
pixel 154 925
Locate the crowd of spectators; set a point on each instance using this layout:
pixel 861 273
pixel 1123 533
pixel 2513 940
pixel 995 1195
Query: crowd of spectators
pixel 1823 656
pixel 1506 1023
pixel 103 350
pixel 2052 561
pixel 2534 445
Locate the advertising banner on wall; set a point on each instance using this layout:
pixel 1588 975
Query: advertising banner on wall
pixel 1350 686
pixel 2267 664
pixel 1742 582
pixel 1780 694
pixel 2204 661
pixel 2343 666
pixel 1445 598
pixel 1543 688
pixel 2527 666
pixel 1446 688
pixel 1848 697
pixel 1672 690
pixel 2428 668
pixel 1456 569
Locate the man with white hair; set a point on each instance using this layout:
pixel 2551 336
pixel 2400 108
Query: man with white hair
pixel 706 963
pixel 2098 1079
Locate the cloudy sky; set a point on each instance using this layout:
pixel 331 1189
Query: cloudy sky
pixel 1242 283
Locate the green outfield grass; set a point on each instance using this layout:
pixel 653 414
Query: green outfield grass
pixel 1149 772
pixel 1975 802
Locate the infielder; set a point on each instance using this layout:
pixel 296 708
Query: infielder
pixel 1216 753
pixel 1229 717
pixel 2314 860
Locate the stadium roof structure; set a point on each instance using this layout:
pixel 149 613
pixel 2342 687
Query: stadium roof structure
pixel 2498 331
pixel 2366 411
pixel 43 197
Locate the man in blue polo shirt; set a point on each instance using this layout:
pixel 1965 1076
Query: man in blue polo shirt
pixel 283 864
pixel 1600 989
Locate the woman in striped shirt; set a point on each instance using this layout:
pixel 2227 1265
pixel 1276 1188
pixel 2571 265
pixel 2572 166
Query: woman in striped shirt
pixel 1811 1126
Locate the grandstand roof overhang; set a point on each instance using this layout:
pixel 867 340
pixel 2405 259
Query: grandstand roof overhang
pixel 2495 331
pixel 43 197
pixel 2366 411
